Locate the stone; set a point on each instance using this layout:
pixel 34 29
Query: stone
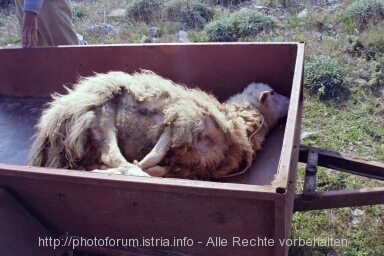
pixel 145 39
pixel 118 13
pixel 351 61
pixel 357 212
pixel 362 74
pixel 183 37
pixel 308 135
pixel 333 1
pixel 303 14
pixel 101 29
pixel 153 31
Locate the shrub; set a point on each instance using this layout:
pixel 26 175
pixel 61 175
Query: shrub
pixel 284 3
pixel 355 46
pixel 79 11
pixel 226 2
pixel 370 44
pixel 251 23
pixel 323 76
pixel 362 14
pixel 143 10
pixel 5 3
pixel 195 15
pixel 173 9
pixel 3 19
pixel 373 41
pixel 240 24
pixel 220 31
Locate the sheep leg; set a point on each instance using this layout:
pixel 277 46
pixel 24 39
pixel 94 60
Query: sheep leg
pixel 111 156
pixel 157 153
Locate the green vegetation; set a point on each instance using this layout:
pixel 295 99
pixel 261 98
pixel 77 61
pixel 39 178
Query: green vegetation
pixel 240 24
pixel 251 23
pixel 323 75
pixel 221 31
pixel 346 126
pixel 373 43
pixel 5 3
pixel 226 2
pixel 363 14
pixel 3 19
pixel 198 15
pixel 143 10
pixel 343 92
pixel 79 11
pixel 195 15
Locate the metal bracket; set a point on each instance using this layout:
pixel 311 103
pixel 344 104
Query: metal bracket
pixel 310 174
pixel 312 200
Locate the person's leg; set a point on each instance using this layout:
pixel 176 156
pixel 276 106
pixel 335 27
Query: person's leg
pixel 20 15
pixel 55 23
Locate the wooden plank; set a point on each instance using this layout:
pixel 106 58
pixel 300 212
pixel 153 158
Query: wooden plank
pixel 95 209
pixel 205 188
pixel 285 180
pixel 220 68
pixel 20 232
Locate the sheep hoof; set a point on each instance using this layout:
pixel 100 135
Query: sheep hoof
pixel 124 170
pixel 135 171
pixel 110 171
pixel 157 171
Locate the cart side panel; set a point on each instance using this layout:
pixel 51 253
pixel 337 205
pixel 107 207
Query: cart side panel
pixel 223 69
pixel 142 215
pixel 20 231
pixel 286 176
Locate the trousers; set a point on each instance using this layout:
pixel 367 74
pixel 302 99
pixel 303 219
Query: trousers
pixel 54 23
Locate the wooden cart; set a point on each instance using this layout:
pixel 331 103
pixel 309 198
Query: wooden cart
pixel 60 212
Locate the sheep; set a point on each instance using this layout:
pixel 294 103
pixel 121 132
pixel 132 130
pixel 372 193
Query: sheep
pixel 145 125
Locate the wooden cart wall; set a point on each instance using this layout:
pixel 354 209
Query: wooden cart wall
pixel 121 207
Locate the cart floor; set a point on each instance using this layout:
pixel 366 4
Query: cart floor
pixel 17 119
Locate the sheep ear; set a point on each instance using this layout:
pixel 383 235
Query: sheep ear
pixel 263 96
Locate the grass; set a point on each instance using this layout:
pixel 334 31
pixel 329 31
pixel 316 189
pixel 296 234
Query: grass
pixel 359 128
pixel 350 120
